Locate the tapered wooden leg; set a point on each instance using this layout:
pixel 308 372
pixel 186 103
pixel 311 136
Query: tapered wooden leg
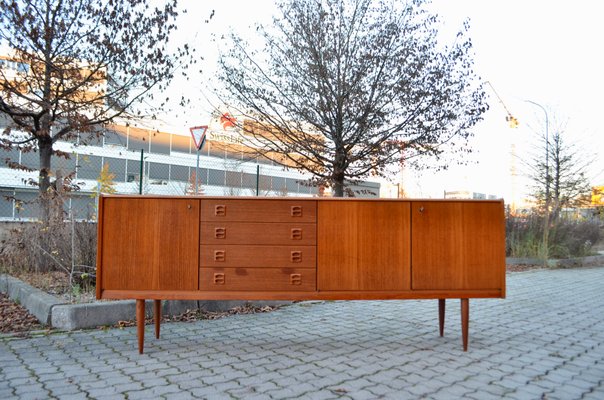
pixel 465 321
pixel 140 324
pixel 157 316
pixel 441 316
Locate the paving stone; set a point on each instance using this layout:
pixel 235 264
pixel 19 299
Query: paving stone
pixel 567 392
pixel 210 393
pixel 317 395
pixel 528 392
pixel 594 395
pixel 77 396
pixel 105 391
pixel 36 395
pixel 63 390
pixel 110 397
pixel 536 341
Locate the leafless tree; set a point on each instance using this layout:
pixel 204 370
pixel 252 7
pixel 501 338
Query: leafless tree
pixel 344 88
pixel 569 165
pixel 73 67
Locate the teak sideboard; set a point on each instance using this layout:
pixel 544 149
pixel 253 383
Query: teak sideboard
pixel 258 248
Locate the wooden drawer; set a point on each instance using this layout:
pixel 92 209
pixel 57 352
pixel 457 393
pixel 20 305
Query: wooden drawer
pixel 258 279
pixel 258 256
pixel 254 233
pixel 259 210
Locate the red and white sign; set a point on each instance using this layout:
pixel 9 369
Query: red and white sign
pixel 227 120
pixel 199 135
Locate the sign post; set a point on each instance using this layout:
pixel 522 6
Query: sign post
pixel 199 138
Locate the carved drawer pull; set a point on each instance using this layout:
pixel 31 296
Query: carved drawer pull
pixel 220 210
pixel 295 279
pixel 296 211
pixel 296 233
pixel 220 233
pixel 219 255
pixel 219 278
pixel 296 256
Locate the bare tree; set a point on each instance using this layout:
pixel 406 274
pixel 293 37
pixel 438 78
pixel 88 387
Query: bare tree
pixel 73 67
pixel 569 165
pixel 343 88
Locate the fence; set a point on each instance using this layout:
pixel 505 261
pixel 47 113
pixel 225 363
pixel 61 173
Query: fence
pixel 145 169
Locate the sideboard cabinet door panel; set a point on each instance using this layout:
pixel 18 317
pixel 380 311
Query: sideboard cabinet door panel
pixel 457 245
pixel 363 245
pixel 150 244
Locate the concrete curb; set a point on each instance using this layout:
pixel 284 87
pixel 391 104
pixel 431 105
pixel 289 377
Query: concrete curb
pixel 588 261
pixel 50 310
pixel 37 302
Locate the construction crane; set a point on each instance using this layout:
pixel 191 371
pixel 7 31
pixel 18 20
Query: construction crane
pixel 512 121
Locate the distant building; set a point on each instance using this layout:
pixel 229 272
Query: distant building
pixel 466 194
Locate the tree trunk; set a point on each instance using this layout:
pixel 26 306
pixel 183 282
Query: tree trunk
pixel 339 172
pixel 338 188
pixel 45 148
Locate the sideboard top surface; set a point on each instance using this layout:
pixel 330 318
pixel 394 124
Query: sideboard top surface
pixel 154 196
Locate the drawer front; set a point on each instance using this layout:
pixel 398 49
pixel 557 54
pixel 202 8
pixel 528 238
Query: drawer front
pixel 258 279
pixel 249 233
pixel 258 256
pixel 259 210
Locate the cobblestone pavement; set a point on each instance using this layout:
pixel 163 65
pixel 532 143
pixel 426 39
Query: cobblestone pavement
pixel 546 341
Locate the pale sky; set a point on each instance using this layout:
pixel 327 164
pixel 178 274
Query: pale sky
pixel 549 52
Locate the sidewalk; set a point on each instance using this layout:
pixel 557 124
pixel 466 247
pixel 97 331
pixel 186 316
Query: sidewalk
pixel 545 341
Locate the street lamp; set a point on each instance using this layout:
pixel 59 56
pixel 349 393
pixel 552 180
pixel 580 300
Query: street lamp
pixel 547 179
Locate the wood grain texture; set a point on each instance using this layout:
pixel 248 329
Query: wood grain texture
pixel 258 256
pixel 150 244
pixel 140 324
pixel 289 295
pixel 99 248
pixel 258 279
pixel 263 210
pixel 458 245
pixel 258 233
pixel 363 246
pixel 441 316
pixel 465 322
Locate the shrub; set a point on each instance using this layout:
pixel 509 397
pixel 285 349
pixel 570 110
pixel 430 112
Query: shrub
pixel 567 237
pixel 60 244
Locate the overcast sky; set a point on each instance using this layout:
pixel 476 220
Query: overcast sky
pixel 549 52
